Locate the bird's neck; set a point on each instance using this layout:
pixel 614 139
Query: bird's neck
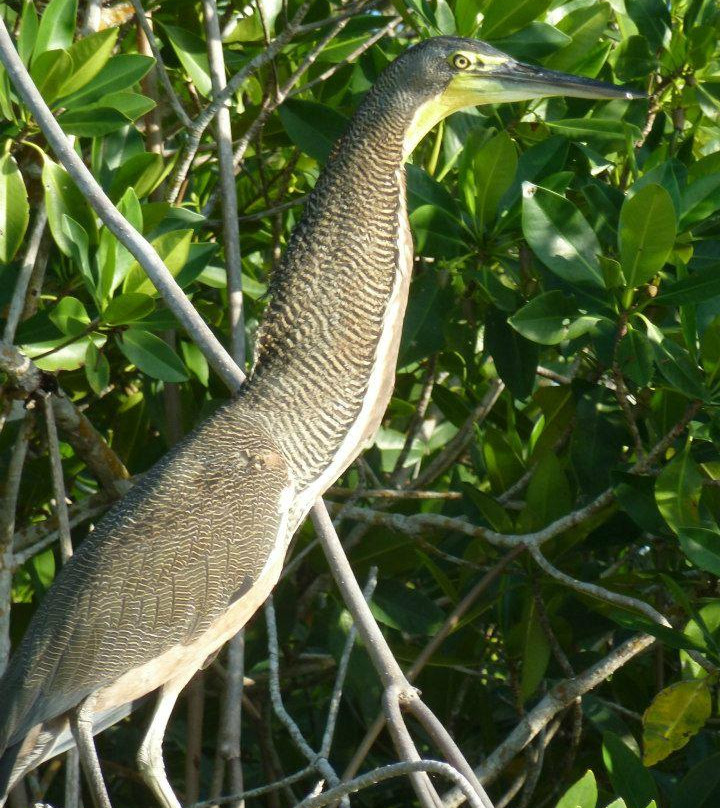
pixel 327 347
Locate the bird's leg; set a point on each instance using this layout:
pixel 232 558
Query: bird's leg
pixel 81 726
pixel 150 757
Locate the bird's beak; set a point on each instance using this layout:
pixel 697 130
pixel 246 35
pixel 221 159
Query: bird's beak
pixel 526 81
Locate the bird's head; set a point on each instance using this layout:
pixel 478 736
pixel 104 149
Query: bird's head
pixel 445 74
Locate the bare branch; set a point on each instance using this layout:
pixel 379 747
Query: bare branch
pixel 461 439
pixel 202 121
pixel 560 697
pixel 160 68
pixel 7 528
pixel 17 304
pixel 231 232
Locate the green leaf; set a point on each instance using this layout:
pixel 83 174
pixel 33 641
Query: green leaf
pixel 88 56
pixel 27 34
pixel 700 788
pixel 582 794
pixel 490 509
pixel 548 495
pixel 120 73
pixel 312 127
pixel 196 362
pixel 585 25
pixel 503 464
pixel 677 491
pixel 551 318
pixel 191 50
pixel 515 357
pixel 97 369
pixel 437 235
pixel 495 165
pixel 152 355
pixel 173 248
pixel 678 368
pixel 57 26
pixel 652 18
pixel 635 357
pixel 49 72
pixel 91 121
pixel 702 546
pixel 535 41
pixel 126 308
pixel 142 172
pixel 62 198
pixel 646 234
pixel 70 316
pixel 696 288
pixel 14 208
pixel 79 245
pixel 131 105
pixel 406 609
pixel 535 650
pixel 589 128
pixel 560 236
pixel 502 17
pixel 676 714
pixel 630 779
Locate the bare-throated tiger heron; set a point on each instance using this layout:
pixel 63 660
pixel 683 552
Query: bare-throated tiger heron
pixel 179 565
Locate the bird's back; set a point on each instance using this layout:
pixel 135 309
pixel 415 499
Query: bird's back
pixel 159 569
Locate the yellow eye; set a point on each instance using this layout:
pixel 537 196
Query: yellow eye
pixel 460 61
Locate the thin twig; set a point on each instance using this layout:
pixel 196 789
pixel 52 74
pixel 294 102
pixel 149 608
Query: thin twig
pixel 560 697
pixel 461 439
pixel 350 58
pixel 160 68
pixel 231 232
pixel 17 304
pixel 202 121
pixel 7 528
pixel 400 472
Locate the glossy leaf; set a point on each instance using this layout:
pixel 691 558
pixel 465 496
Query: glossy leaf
pixel 676 714
pixel 91 121
pixel 635 357
pixel 126 308
pixel 646 234
pixel 70 316
pixel 702 546
pixel 560 236
pixel 173 248
pixel 14 208
pixel 27 33
pixel 677 491
pixel 501 18
pixel 191 50
pixel 88 56
pixel 120 73
pixel 700 788
pixel 152 355
pixel 57 26
pixel 312 127
pixel 630 779
pixel 406 610
pixel 97 369
pixel 551 318
pixel 495 165
pixel 50 71
pixel 582 794
pixel 62 198
pixel 515 356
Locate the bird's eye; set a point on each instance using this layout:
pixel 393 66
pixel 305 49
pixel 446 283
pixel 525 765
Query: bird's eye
pixel 460 61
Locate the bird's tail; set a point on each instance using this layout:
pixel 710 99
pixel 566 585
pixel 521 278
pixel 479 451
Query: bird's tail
pixel 7 764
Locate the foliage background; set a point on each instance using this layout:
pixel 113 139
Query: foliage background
pixel 564 317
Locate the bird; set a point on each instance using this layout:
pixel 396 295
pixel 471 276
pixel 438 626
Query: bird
pixel 183 561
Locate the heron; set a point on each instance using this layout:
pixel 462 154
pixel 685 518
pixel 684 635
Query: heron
pixel 179 565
